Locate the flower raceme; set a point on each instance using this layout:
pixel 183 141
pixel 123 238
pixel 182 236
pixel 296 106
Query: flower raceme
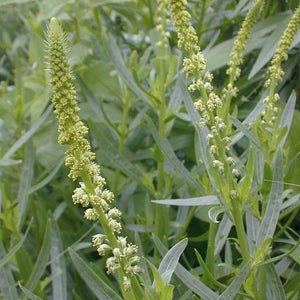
pixel 91 193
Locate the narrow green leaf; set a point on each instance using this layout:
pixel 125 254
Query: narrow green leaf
pixel 93 281
pixel 214 213
pixel 58 266
pixel 162 290
pixel 236 284
pixel 206 272
pixel 42 260
pixel 274 288
pixel 269 48
pixel 222 233
pixel 116 159
pixel 25 182
pixel 170 260
pixel 287 116
pixel 124 71
pixel 47 179
pixel 270 219
pixel 252 116
pixel 14 2
pixel 252 226
pixel 9 162
pixel 245 131
pixel 186 277
pixel 7 282
pixel 197 201
pixel 6 258
pixel 25 137
pixel 172 159
pixel 28 293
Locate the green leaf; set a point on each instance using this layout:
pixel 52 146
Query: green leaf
pixel 270 219
pixel 162 290
pixel 170 260
pixel 48 178
pixel 245 131
pixel 222 233
pixel 287 116
pixel 197 201
pixel 7 282
pixel 58 266
pixel 236 284
pixel 25 137
pixel 123 70
pixel 214 213
pixel 172 159
pixel 25 182
pixel 41 261
pixel 186 277
pixel 274 288
pixel 101 290
pixel 28 293
pixel 118 160
pixel 6 258
pixel 15 2
pixel 269 47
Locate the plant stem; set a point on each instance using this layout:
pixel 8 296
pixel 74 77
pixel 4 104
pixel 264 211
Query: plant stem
pixel 237 215
pixel 210 257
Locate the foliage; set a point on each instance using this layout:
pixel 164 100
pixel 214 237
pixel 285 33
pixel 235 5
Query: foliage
pixel 204 229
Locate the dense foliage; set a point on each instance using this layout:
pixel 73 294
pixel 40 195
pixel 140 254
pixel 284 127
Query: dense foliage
pixel 208 191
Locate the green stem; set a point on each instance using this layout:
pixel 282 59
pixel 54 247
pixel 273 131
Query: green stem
pixel 210 257
pixel 237 215
pixel 201 18
pixel 187 222
pixel 261 295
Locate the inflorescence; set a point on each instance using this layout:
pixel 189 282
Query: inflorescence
pixel 208 103
pixel 91 193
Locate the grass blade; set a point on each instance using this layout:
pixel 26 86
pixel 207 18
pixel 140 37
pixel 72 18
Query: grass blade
pixel 94 282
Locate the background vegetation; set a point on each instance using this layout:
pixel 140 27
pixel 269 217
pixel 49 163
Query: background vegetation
pixel 131 97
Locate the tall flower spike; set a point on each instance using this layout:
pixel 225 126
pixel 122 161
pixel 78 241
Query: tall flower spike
pixel 275 71
pixel 209 104
pixel 236 54
pixel 79 157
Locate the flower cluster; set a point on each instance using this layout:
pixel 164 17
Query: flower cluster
pixel 241 39
pixel 237 51
pixel 269 114
pixel 91 193
pixel 162 20
pixel 208 103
